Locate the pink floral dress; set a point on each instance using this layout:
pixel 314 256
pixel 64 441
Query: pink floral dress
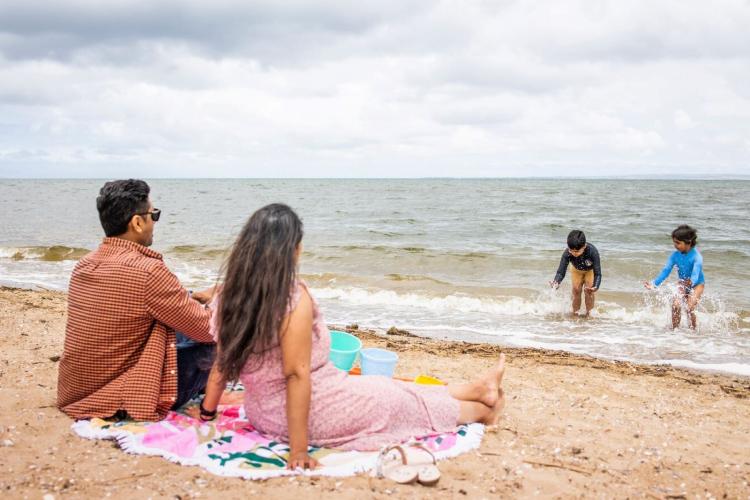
pixel 349 412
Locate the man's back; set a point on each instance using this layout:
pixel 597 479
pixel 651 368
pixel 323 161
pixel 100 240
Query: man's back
pixel 119 354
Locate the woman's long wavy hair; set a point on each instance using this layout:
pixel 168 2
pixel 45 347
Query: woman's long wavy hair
pixel 260 273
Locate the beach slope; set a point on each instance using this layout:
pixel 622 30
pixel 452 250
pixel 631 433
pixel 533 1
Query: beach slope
pixel 574 427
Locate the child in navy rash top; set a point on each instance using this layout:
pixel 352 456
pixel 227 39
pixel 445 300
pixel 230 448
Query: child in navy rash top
pixel 691 281
pixel 585 269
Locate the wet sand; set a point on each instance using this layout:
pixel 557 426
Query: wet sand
pixel 574 426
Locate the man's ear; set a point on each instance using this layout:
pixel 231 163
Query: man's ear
pixel 136 224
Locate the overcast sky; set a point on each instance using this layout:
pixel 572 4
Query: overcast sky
pixel 405 88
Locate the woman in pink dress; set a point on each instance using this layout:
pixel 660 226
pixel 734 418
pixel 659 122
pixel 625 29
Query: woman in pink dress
pixel 272 337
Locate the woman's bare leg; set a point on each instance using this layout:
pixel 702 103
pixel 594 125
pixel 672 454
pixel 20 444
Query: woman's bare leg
pixel 472 411
pixel 484 390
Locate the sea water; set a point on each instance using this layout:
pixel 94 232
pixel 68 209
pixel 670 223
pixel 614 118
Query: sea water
pixel 446 258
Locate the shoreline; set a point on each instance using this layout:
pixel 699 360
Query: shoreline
pixel 573 426
pixel 737 385
pixel 682 364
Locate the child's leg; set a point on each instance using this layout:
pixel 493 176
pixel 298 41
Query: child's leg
pixel 693 299
pixel 676 311
pixel 576 280
pixel 589 296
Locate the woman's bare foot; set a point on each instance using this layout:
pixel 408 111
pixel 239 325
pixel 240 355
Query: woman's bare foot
pixel 491 382
pixel 497 410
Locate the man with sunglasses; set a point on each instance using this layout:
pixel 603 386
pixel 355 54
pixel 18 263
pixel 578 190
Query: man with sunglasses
pixel 124 308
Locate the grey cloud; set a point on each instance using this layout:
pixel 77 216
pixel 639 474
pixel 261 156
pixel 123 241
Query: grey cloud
pixel 635 32
pixel 213 86
pixel 262 30
pixel 293 32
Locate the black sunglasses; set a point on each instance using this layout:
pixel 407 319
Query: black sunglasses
pixel 155 214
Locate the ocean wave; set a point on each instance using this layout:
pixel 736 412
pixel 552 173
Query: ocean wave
pixel 396 250
pixel 387 234
pixel 729 253
pixel 54 253
pixel 414 277
pixel 544 305
pixel 512 306
pixel 472 255
pixel 198 251
pixel 323 277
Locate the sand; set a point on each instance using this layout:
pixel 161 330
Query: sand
pixel 573 427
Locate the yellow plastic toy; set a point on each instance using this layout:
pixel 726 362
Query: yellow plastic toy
pixel 427 380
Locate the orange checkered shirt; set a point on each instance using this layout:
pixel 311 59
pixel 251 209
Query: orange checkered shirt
pixel 124 306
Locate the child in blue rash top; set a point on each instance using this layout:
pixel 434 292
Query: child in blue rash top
pixel 691 282
pixel 585 270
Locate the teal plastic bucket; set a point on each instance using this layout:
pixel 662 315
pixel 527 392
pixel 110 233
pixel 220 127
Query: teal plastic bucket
pixel 376 361
pixel 344 349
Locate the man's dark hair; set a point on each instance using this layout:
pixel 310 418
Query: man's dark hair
pixel 576 240
pixel 118 201
pixel 685 234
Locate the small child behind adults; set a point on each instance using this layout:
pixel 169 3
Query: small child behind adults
pixel 690 282
pixel 585 270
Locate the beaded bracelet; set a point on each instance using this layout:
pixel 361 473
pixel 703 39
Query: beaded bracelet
pixel 207 415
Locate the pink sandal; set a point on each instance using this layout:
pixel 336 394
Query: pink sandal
pixel 403 473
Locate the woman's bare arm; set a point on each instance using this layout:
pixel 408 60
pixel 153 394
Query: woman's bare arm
pixel 296 350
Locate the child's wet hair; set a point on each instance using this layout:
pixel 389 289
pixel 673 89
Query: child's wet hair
pixel 576 239
pixel 686 234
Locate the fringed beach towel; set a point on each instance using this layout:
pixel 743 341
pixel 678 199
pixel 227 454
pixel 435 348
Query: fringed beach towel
pixel 230 446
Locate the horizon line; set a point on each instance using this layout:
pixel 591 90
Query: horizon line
pixel 551 177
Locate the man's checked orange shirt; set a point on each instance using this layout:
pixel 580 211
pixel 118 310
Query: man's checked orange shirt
pixel 124 306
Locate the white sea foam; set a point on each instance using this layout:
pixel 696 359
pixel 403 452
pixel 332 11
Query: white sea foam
pixel 31 284
pixel 738 368
pixel 513 306
pixel 639 333
pixel 637 329
pixel 9 252
pixel 544 305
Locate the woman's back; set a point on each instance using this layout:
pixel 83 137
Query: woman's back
pixel 265 373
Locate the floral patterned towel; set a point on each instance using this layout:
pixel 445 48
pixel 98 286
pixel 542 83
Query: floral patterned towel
pixel 230 446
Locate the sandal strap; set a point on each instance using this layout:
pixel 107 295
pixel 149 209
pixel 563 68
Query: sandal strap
pixel 384 453
pixel 420 445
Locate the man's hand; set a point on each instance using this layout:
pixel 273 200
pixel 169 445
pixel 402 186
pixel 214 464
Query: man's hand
pixel 300 459
pixel 204 296
pixel 554 284
pixel 649 285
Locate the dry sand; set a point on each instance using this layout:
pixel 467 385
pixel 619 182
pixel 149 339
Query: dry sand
pixel 573 427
